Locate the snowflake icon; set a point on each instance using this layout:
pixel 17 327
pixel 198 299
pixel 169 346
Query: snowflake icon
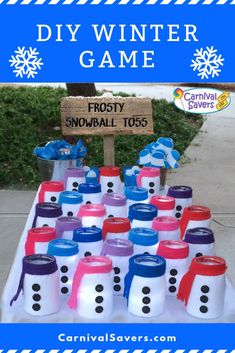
pixel 26 62
pixel 207 62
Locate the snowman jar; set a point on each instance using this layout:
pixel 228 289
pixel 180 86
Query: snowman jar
pixel 91 193
pixel 119 251
pixel 183 198
pixel 70 202
pixel 40 284
pixel 176 255
pixel 89 241
pixel 116 227
pixel 66 254
pixel 110 180
pixel 145 285
pixel 167 227
pixel 149 178
pixel 145 240
pixel 38 239
pixel 74 177
pixel 46 214
pixel 92 291
pixel 142 215
pixel 201 242
pixel 136 194
pixel 193 217
pixel 202 288
pixel 115 205
pixel 165 205
pixel 65 226
pixel 92 215
pixel 50 191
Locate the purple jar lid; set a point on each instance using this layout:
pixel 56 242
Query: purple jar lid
pixel 199 235
pixel 180 192
pixel 117 247
pixel 114 199
pixel 47 210
pixel 68 223
pixel 74 173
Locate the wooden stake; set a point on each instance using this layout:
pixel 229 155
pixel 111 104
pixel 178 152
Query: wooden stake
pixel 109 157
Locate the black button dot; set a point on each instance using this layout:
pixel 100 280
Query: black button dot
pixel 88 202
pixel 203 309
pixel 173 272
pixel 172 280
pixel 178 208
pixel 36 287
pixel 36 307
pixel 64 279
pixel 146 309
pixel 99 299
pixel 70 213
pixel 172 289
pixel 74 189
pixel 94 226
pixel 146 290
pixel 116 270
pixel 199 254
pixel 75 184
pixel 178 215
pixel 204 299
pixel 151 184
pixel 64 269
pixel 87 253
pixel 117 279
pixel 53 199
pixel 146 252
pixel 99 288
pixel 64 290
pixel 110 216
pixel 205 289
pixel 99 309
pixel 151 191
pixel 146 300
pixel 45 225
pixel 110 184
pixel 109 190
pixel 117 288
pixel 36 297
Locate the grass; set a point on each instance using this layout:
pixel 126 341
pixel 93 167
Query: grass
pixel 31 115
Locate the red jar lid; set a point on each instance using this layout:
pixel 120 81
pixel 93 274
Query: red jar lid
pixel 116 225
pixel 51 186
pixel 173 249
pixel 110 171
pixel 163 202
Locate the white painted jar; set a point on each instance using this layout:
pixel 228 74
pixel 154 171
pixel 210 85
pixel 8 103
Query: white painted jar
pixel 50 191
pixel 183 198
pixel 46 214
pixel 149 178
pixel 40 284
pixel 110 180
pixel 201 242
pixel 116 227
pixel 142 215
pixel 92 215
pixel 145 240
pixel 92 292
pixel 73 178
pixel 194 217
pixel 175 252
pixel 115 205
pixel 119 251
pixel 202 288
pixel 91 193
pixel 89 241
pixel 167 227
pixel 136 194
pixel 145 287
pixel 66 225
pixel 70 202
pixel 66 254
pixel 165 205
pixel 38 239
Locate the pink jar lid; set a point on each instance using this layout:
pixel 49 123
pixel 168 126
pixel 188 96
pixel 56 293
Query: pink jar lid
pixel 165 223
pixel 163 202
pixel 92 210
pixel 149 172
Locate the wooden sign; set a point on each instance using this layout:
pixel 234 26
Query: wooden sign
pixel 106 115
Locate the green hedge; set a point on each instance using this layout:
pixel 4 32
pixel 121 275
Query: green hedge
pixel 31 115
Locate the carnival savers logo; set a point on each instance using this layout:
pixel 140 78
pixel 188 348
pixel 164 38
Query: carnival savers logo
pixel 201 100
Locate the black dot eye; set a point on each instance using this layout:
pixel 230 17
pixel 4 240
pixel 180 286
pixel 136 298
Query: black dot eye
pixel 36 307
pixel 94 226
pixel 117 288
pixel 146 252
pixel 36 297
pixel 146 300
pixel 36 287
pixel 64 279
pixel 205 289
pixel 99 309
pixel 110 184
pixel 172 289
pixel 173 272
pixel 70 213
pixel 146 290
pixel 99 299
pixel 74 189
pixel 53 199
pixel 45 225
pixel 151 184
pixel 75 184
pixel 117 279
pixel 64 290
pixel 88 202
pixel 99 288
pixel 110 216
pixel 151 191
pixel 198 254
pixel 172 280
pixel 64 269
pixel 87 253
pixel 177 215
pixel 204 299
pixel 116 270
pixel 109 191
pixel 178 208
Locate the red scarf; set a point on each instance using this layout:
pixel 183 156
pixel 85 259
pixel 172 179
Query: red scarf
pixel 38 235
pixel 203 265
pixel 193 213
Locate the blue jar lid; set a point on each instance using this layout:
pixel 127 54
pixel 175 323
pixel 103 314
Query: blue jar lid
pixel 62 247
pixel 142 212
pixel 87 234
pixel 70 197
pixel 136 193
pixel 145 265
pixel 89 188
pixel 143 236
